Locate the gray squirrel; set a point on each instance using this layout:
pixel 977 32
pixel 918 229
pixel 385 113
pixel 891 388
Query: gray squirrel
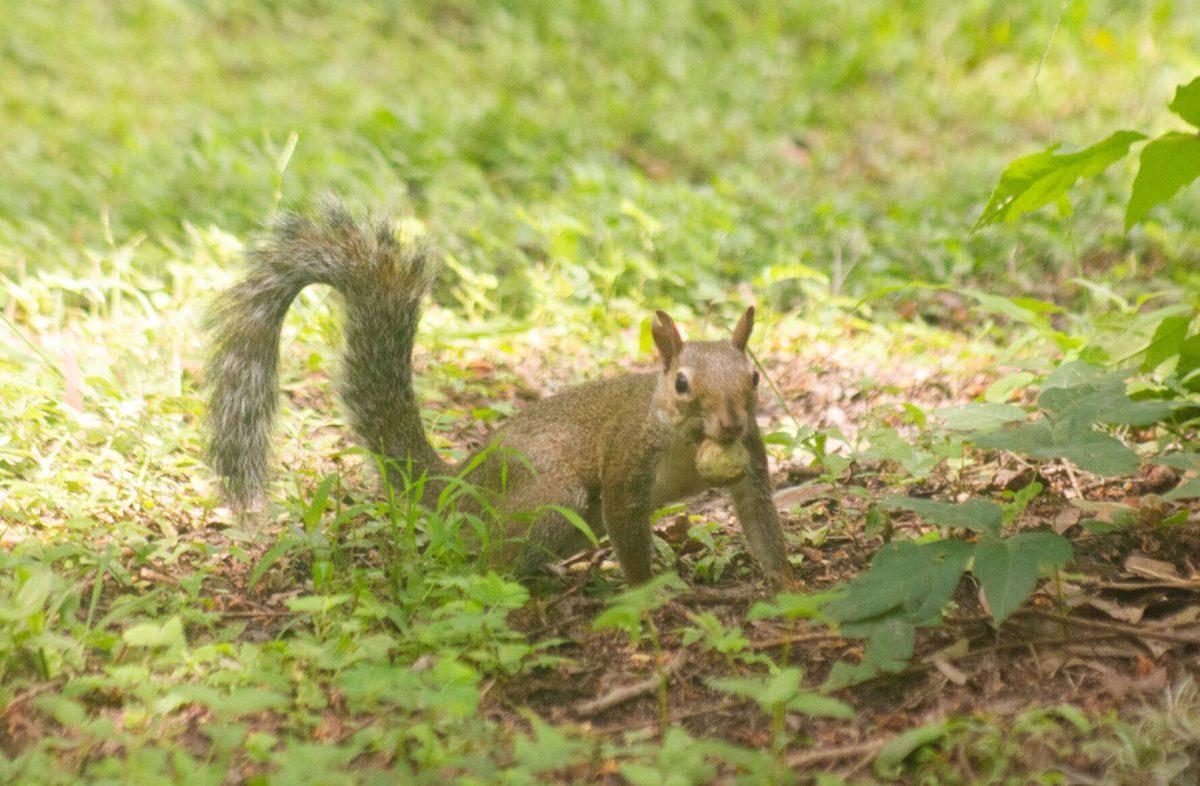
pixel 613 451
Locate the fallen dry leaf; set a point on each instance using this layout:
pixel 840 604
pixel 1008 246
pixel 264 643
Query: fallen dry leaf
pixel 1118 611
pixel 1066 518
pixel 794 496
pixel 1148 568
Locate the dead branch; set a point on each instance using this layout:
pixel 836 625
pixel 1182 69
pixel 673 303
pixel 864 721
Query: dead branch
pixel 1114 627
pixel 806 759
pixel 629 692
pixel 797 638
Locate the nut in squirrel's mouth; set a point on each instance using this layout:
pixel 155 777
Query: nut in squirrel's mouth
pixel 719 463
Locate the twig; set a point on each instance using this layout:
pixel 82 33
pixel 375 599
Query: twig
pixel 628 692
pixel 1074 480
pixel 806 759
pixel 798 638
pixel 707 709
pixel 1114 627
pixel 1032 643
pixel 562 623
pixel 1179 584
pixel 560 597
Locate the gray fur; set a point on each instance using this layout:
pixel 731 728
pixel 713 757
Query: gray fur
pixel 382 280
pixel 611 451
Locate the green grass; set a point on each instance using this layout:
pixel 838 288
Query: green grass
pixel 578 164
pixel 676 145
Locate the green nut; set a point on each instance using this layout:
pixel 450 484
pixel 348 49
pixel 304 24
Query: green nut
pixel 721 464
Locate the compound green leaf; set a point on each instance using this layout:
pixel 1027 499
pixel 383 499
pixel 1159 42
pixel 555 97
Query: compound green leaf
pixel 1074 439
pixel 791 605
pixel 917 579
pixel 1039 179
pixel 1104 401
pixel 774 690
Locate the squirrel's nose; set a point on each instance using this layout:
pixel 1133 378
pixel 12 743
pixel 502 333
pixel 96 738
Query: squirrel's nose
pixel 729 429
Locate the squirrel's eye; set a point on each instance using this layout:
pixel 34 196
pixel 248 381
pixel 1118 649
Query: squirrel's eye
pixel 681 384
pixel 754 380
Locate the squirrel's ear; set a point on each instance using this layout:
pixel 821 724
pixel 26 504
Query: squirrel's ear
pixel 741 333
pixel 666 337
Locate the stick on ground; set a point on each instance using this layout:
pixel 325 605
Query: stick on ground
pixel 628 692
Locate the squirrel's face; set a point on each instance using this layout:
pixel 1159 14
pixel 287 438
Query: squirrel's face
pixel 708 388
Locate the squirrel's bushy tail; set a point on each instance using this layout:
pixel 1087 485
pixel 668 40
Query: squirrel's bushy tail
pixel 382 280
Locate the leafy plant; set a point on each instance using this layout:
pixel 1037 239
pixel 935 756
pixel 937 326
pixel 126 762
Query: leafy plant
pixel 910 584
pixel 1167 163
pixel 1078 400
pixel 778 693
pixel 631 611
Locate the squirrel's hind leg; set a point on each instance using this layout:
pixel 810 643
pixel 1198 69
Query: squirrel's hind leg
pixel 537 531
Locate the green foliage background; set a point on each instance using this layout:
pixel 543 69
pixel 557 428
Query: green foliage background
pixel 578 162
pixel 667 148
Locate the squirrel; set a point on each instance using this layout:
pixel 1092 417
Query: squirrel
pixel 612 451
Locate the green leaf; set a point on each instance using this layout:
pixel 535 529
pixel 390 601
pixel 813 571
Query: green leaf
pixel 155 634
pixel 915 579
pixel 977 515
pixel 1180 460
pixel 1167 164
pixel 575 520
pixel 1094 451
pixel 316 508
pixel 1002 389
pixel 791 605
pixel 980 417
pixel 1186 102
pixel 1103 400
pixel 781 687
pixel 1008 569
pixel 889 648
pixel 239 702
pixel 67 712
pixel 889 762
pixel 1074 373
pixel 316 604
pixel 625 611
pixel 1024 311
pixel 1167 341
pixel 886 444
pixel 1070 438
pixel 547 749
pixel 31 598
pixel 273 555
pixel 773 691
pixel 1039 179
pixel 619 618
pixel 1189 489
pixel 815 705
